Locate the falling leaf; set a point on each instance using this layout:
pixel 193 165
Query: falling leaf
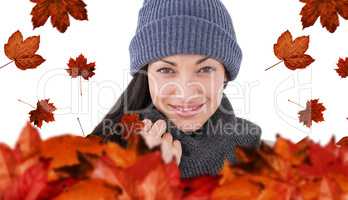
pixel 292 52
pixel 327 11
pixel 23 52
pixel 43 112
pixel 59 11
pixel 79 67
pixel 342 69
pixel 313 112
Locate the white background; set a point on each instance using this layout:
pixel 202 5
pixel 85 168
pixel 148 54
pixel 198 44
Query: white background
pixel 258 95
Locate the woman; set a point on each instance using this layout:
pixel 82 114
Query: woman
pixel 182 56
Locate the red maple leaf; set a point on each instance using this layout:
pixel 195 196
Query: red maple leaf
pixel 342 69
pixel 131 124
pixel 43 112
pixel 343 141
pixel 23 52
pixel 327 11
pixel 59 11
pixel 313 112
pixel 30 184
pixel 79 67
pixel 292 52
pixel 324 160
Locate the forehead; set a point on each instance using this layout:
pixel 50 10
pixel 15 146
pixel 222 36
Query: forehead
pixel 194 59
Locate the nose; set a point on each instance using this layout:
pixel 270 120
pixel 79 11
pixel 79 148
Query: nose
pixel 187 87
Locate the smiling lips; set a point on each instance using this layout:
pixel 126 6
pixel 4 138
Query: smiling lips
pixel 186 111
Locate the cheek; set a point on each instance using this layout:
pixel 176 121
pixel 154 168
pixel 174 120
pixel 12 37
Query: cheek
pixel 161 87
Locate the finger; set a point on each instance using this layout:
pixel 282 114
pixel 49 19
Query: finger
pixel 158 128
pixel 168 137
pixel 147 126
pixel 177 151
pixel 166 151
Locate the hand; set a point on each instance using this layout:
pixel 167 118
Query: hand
pixel 152 134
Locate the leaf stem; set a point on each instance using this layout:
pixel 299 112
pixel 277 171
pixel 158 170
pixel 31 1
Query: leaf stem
pixel 80 86
pixel 26 103
pixel 296 103
pixel 274 65
pixel 78 119
pixel 6 64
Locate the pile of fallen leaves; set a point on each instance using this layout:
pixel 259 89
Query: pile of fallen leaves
pixel 76 167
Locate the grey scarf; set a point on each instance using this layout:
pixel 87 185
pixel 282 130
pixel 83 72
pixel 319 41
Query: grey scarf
pixel 204 150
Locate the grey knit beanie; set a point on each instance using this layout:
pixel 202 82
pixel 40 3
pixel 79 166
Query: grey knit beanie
pixel 169 27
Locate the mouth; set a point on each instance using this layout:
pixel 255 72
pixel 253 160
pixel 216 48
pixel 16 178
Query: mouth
pixel 186 111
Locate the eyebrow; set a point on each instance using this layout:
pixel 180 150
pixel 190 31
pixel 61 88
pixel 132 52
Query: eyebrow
pixel 198 61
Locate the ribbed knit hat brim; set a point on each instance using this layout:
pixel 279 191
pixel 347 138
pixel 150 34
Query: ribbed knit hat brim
pixel 184 34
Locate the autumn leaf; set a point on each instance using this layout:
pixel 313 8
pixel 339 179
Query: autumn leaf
pixel 292 52
pixel 328 12
pixel 90 189
pixel 30 184
pixel 325 160
pixel 63 149
pixel 293 153
pixel 131 124
pixel 153 179
pixel 79 67
pixel 23 52
pixel 7 166
pixel 43 112
pixel 342 69
pixel 59 11
pixel 89 168
pixel 313 112
pixel 343 141
pixel 28 143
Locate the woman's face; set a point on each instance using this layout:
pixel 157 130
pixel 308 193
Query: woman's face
pixel 186 88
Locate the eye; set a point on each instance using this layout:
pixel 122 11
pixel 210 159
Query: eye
pixel 207 69
pixel 164 70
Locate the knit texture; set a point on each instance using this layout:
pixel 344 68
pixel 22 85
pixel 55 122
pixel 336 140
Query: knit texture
pixel 168 27
pixel 204 150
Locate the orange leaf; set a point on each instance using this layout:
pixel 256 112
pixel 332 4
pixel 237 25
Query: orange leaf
pixel 293 153
pixel 30 184
pixel 63 149
pixel 151 181
pixel 327 11
pixel 342 69
pixel 23 52
pixel 7 167
pixel 313 112
pixel 43 112
pixel 59 11
pixel 329 189
pixel 292 52
pixel 90 189
pixel 28 143
pixel 79 67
